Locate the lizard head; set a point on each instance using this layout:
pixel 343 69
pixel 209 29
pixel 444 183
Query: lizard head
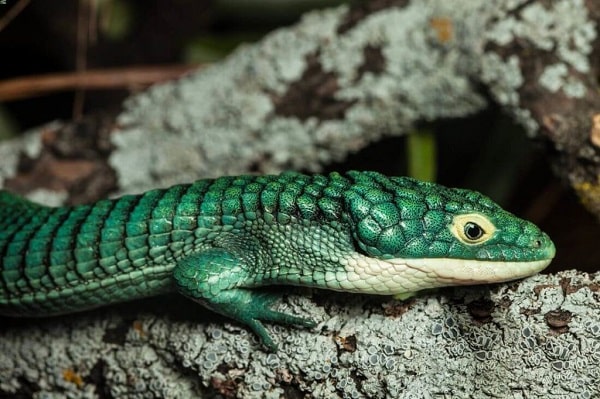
pixel 446 236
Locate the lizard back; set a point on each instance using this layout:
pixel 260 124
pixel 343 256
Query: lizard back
pixel 64 259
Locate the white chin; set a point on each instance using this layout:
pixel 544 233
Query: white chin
pixel 398 276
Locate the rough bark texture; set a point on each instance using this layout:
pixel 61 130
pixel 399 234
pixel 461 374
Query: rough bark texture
pixel 301 98
pixel 536 338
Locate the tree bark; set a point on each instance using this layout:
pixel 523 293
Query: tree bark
pixel 536 338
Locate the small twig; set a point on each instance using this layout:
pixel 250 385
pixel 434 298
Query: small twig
pixel 12 13
pixel 81 54
pixel 26 87
pixel 93 23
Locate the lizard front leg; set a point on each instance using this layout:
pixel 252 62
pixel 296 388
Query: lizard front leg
pixel 221 280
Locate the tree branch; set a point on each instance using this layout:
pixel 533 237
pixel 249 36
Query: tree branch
pixel 533 339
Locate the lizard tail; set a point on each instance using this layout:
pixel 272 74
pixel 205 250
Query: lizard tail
pixel 11 204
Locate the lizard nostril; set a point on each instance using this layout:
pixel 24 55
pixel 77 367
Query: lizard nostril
pixel 537 243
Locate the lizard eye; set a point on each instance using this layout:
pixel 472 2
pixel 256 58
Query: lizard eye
pixel 472 228
pixel 473 231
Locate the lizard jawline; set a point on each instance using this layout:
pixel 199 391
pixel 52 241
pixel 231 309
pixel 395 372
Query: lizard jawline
pixel 398 276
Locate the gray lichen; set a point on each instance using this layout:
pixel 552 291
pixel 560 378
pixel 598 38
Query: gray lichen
pixel 362 347
pixel 29 143
pixel 224 119
pixel 214 122
pixel 560 28
pixel 562 25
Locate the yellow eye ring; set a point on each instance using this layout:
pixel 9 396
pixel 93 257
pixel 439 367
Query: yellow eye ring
pixel 472 228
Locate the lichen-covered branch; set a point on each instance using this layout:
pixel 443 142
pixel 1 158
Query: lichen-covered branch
pixel 537 338
pixel 549 54
pixel 314 92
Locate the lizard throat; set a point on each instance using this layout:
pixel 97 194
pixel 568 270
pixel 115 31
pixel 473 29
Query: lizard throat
pixel 368 275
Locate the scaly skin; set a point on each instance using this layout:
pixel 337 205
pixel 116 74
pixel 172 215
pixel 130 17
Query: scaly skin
pixel 215 241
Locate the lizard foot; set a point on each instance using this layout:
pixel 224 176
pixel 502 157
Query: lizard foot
pixel 252 308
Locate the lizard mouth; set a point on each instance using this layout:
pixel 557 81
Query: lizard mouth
pixel 368 275
pixel 470 272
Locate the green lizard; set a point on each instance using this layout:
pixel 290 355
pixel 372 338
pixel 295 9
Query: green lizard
pixel 218 241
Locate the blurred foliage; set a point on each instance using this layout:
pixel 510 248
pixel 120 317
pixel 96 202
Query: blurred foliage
pixel 115 18
pixel 421 155
pixel 8 126
pixel 211 48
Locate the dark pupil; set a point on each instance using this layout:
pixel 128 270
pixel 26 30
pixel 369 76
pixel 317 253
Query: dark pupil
pixel 473 231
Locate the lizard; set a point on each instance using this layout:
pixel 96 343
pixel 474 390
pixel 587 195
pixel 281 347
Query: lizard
pixel 218 241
